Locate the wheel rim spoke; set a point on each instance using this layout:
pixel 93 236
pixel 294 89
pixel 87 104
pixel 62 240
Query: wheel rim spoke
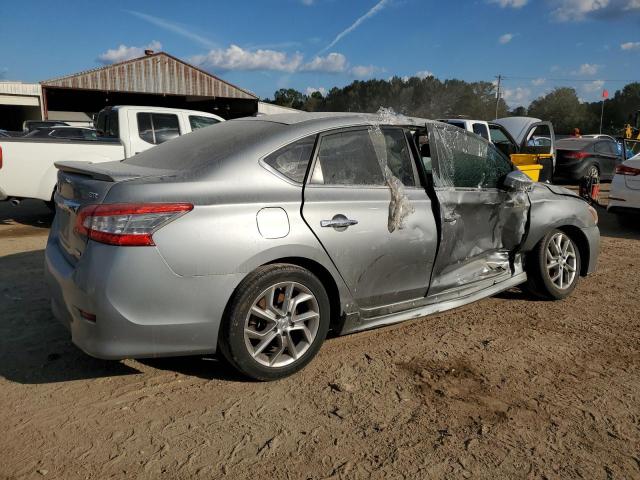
pixel 264 343
pixel 303 317
pixel 263 314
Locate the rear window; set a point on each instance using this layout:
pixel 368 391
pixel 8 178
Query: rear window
pixel 207 147
pixel 481 129
pixel 107 124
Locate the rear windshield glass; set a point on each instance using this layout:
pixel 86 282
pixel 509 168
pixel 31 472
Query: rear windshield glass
pixel 573 143
pixel 207 146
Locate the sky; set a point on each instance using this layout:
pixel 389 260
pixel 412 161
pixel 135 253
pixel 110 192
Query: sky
pixel 264 45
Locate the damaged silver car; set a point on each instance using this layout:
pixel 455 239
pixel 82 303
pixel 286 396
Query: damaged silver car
pixel 257 237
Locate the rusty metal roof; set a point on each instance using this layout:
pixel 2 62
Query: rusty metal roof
pixel 158 73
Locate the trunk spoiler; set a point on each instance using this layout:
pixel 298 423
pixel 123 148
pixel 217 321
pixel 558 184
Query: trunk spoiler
pixel 111 171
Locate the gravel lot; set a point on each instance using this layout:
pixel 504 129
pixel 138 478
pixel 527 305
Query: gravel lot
pixel 508 387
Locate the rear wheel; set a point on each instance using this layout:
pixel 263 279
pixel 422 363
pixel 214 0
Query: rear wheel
pixel 553 267
pixel 276 322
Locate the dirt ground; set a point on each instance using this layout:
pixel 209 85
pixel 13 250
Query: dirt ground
pixel 508 387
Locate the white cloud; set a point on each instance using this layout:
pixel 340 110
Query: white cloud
pixel 518 95
pixel 363 71
pixel 538 81
pixel 182 30
pixel 375 9
pixel 630 45
pixel 123 52
pixel 506 38
pixel 310 90
pixel 577 10
pixel 424 74
pixel 587 69
pixel 510 3
pixel 237 58
pixel 332 63
pixel 594 86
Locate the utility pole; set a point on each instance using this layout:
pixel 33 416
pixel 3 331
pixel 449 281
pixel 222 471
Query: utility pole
pixel 498 94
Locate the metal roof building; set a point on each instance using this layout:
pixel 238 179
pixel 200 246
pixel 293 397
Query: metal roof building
pixel 156 79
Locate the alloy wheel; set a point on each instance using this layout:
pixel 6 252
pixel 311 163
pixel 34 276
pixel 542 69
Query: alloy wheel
pixel 561 261
pixel 281 324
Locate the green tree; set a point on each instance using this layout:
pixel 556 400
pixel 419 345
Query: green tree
pixel 289 97
pixel 562 107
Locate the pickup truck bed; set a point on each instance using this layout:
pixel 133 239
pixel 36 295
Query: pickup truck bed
pixel 27 167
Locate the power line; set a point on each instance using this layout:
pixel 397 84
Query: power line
pixel 514 77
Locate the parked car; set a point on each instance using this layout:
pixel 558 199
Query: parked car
pixel 580 158
pixel 602 136
pixel 28 170
pixel 255 238
pixel 624 196
pixel 4 133
pixel 63 132
pixel 529 142
pixel 31 125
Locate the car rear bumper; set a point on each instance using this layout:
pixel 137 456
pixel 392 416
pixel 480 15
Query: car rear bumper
pixel 141 307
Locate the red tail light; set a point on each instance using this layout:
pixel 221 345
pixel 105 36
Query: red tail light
pixel 626 170
pixel 0 157
pixel 576 155
pixel 127 224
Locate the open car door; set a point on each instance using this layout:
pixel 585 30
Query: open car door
pixel 536 144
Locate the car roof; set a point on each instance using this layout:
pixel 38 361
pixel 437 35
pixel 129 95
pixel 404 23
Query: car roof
pixel 326 120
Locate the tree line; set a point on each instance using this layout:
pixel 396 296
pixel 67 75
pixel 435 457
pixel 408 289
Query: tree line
pixel 433 98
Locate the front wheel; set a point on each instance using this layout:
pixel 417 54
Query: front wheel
pixel 553 267
pixel 276 322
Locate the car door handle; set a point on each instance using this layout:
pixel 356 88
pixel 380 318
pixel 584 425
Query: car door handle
pixel 453 217
pixel 338 221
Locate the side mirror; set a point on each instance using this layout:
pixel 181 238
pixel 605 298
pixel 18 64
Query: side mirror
pixel 517 181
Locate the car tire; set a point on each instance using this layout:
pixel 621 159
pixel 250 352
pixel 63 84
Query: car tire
pixel 266 337
pixel 549 270
pixel 593 173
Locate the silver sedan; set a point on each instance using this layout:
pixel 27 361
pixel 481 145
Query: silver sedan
pixel 255 238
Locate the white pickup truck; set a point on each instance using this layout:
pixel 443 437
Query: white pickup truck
pixel 27 164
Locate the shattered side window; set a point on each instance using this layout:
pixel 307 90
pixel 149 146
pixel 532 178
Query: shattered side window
pixel 498 165
pixel 347 158
pixel 467 161
pixel 293 159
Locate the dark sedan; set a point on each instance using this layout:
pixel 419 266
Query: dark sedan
pixel 579 158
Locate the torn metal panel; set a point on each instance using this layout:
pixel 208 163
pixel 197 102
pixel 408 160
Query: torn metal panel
pixel 399 207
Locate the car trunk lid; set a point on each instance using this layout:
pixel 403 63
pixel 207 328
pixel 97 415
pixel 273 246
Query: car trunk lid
pixel 84 183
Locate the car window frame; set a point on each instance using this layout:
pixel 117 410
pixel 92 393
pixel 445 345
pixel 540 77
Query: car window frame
pixel 324 133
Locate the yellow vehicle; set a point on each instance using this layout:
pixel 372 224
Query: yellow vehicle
pixel 632 132
pixel 529 142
